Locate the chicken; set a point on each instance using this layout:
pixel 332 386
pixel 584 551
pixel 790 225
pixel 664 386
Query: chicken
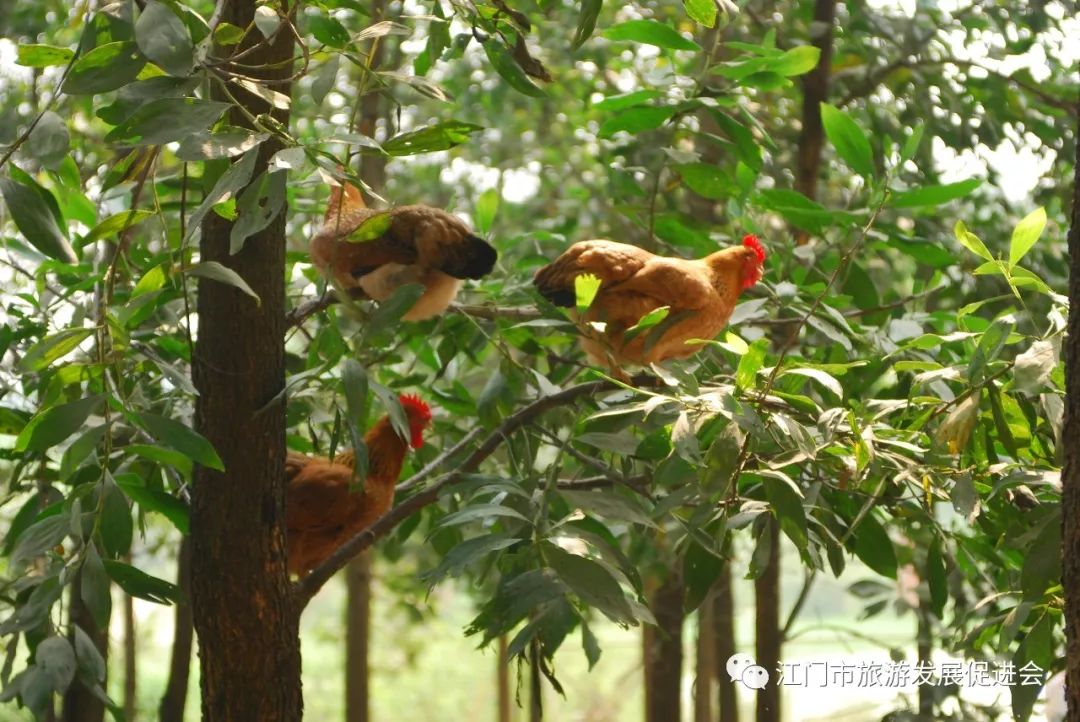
pixel 700 295
pixel 320 511
pixel 410 244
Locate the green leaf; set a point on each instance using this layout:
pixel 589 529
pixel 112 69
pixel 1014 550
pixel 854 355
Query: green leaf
pixel 487 205
pixel 1033 367
pixel 591 582
pixel 40 537
pixel 224 142
pixel 911 145
pixel 90 662
pixel 590 645
pixel 222 274
pixel 52 348
pixel 50 141
pixel 750 363
pixel 164 39
pixel 705 179
pixel 508 68
pixel 267 20
pixel 227 34
pixel 636 120
pixel 55 657
pixel 1025 235
pixel 42 56
pixel 850 142
pixel 116 223
pixel 151 281
pixel 786 500
pixel 1042 561
pixel 161 455
pixel 703 12
pixel 182 438
pixel 429 138
pixel 54 424
pixel 608 505
pixel 117 527
pixel 822 377
pixel 970 241
pixel 327 30
pixel 37 216
pixel 106 67
pixel 479 512
pixel 621 101
pixel 151 499
pixel 468 552
pixel 590 11
pixel 258 205
pixel 392 309
pixel 586 286
pixel 650 32
pixel 230 183
pixel 936 579
pixel 933 195
pixel 874 547
pixel 94 587
pixel 140 584
pixel 371 228
pixel 797 61
pixel 166 120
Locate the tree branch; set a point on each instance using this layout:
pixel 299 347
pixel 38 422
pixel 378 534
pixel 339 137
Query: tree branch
pixel 298 314
pixel 307 587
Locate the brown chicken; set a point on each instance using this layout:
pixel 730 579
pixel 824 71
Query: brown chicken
pixel 320 511
pixel 408 244
pixel 700 295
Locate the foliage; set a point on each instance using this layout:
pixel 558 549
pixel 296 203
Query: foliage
pixel 891 392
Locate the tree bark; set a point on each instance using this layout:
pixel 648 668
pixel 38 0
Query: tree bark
pixel 357 638
pixel 130 651
pixel 502 681
pixel 80 704
pixel 724 630
pixel 663 655
pixel 705 661
pixel 815 92
pixel 174 699
pixel 1070 475
pixel 243 612
pixel 767 627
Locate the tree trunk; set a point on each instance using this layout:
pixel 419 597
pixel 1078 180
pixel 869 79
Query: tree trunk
pixel 663 653
pixel 724 631
pixel 357 638
pixel 174 699
pixel 767 628
pixel 536 687
pixel 130 667
pixel 80 705
pixel 1070 475
pixel 705 661
pixel 247 623
pixel 815 92
pixel 502 681
pixel 924 652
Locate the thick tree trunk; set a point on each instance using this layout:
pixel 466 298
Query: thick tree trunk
pixel 724 631
pixel 663 653
pixel 130 650
pixel 247 624
pixel 1070 475
pixel 502 681
pixel 174 699
pixel 80 705
pixel 705 661
pixel 815 92
pixel 357 638
pixel 767 628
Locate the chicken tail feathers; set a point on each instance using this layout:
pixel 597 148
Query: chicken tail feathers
pixel 473 259
pixel 555 286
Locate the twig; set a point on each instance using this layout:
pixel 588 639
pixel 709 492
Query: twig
pixel 307 309
pixel 307 587
pixel 637 482
pixel 439 460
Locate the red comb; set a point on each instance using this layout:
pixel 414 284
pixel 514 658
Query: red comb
pixel 416 405
pixel 751 241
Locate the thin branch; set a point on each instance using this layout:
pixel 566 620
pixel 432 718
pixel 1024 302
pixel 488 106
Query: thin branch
pixel 436 463
pixel 307 587
pixel 637 482
pixel 298 314
pixel 309 308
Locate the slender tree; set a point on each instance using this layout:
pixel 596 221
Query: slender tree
pixel 174 700
pixel 247 623
pixel 1070 475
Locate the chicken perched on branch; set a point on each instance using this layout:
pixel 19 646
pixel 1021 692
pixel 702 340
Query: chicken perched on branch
pixel 377 252
pixel 699 294
pixel 320 511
